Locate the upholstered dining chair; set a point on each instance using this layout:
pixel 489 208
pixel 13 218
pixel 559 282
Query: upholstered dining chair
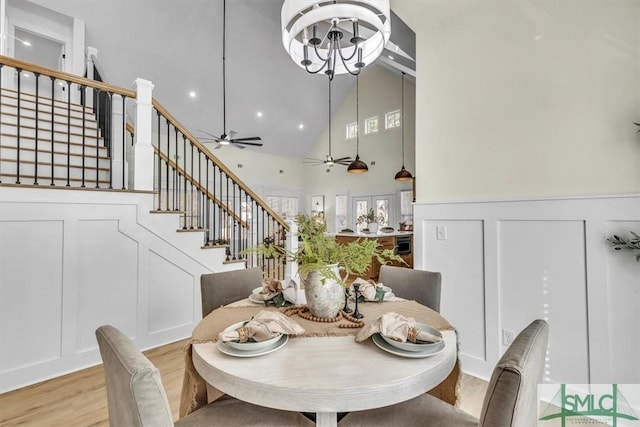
pixel 219 289
pixel 136 397
pixel 510 401
pixel 421 286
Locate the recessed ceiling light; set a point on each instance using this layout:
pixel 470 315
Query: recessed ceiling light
pixel 192 94
pixel 390 57
pixel 26 42
pixel 301 126
pixel 259 114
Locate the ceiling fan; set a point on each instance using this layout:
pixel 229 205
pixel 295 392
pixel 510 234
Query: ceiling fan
pixel 329 160
pixel 227 138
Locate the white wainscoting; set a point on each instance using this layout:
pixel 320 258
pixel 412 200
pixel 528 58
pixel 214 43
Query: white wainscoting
pixel 505 263
pixel 72 260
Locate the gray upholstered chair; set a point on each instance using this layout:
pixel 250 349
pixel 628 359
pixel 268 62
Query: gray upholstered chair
pixel 219 289
pixel 135 395
pixel 421 286
pixel 511 399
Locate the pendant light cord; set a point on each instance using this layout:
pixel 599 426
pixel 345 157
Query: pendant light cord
pixel 224 73
pixel 402 114
pixel 358 116
pixel 329 117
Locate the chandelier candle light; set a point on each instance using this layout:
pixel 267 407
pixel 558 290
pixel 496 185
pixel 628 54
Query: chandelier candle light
pixel 356 34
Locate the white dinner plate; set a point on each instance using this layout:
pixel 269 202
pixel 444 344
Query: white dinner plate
pixel 249 345
pixel 226 349
pixel 377 340
pixel 425 347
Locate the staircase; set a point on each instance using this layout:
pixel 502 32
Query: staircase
pixel 48 142
pixel 110 211
pixel 61 130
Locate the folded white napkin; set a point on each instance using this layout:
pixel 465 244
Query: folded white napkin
pixel 272 287
pixel 264 325
pixel 397 327
pixel 372 291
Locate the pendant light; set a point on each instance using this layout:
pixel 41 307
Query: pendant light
pixel 403 174
pixel 358 166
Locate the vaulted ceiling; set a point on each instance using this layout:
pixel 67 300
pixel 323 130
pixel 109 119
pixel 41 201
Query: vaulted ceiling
pixel 178 46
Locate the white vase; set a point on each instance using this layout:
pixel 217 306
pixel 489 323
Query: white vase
pixel 323 299
pixel 373 227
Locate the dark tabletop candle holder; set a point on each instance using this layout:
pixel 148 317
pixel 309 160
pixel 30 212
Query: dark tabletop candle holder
pixel 356 291
pixel 346 307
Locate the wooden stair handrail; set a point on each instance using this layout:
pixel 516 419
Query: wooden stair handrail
pixel 218 163
pixel 29 66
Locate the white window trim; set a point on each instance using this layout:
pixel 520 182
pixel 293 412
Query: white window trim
pixel 386 119
pixel 366 127
pixel 348 127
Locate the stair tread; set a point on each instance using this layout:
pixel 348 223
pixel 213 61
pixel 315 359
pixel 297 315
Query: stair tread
pixel 13 94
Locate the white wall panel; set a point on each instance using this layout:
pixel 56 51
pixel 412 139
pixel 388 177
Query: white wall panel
pixel 171 289
pixel 73 260
pixel 30 292
pixel 546 258
pixel 541 268
pixel 460 260
pixel 623 290
pixel 107 280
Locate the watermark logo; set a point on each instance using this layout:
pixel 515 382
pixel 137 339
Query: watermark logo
pixel 593 404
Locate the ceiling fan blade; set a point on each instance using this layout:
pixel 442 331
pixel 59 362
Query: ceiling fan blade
pixel 217 147
pixel 257 144
pixel 214 137
pixel 251 138
pixel 342 159
pixel 231 134
pixel 239 146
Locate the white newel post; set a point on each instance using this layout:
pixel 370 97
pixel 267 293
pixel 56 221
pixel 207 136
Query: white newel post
pixel 118 148
pixel 143 150
pixel 291 245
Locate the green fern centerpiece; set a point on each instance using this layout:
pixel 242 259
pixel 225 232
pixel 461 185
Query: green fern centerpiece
pixel 317 251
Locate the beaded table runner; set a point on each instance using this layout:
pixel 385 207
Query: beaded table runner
pixel 209 328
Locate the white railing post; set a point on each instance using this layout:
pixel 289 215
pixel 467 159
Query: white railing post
pixel 291 245
pixel 143 150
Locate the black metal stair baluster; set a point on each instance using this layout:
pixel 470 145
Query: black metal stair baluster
pixel 191 179
pixel 214 206
pixel 35 178
pixel 124 139
pixel 68 133
pixel 184 174
pixel 96 112
pixel 220 211
pixel 83 88
pixel 200 193
pixel 19 70
pixel 53 105
pixel 174 171
pixel 235 214
pixel 167 162
pixel 228 233
pixel 108 118
pixel 207 211
pixel 158 172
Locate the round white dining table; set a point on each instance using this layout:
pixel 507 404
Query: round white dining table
pixel 325 375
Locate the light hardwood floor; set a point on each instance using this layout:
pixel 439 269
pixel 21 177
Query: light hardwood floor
pixel 79 399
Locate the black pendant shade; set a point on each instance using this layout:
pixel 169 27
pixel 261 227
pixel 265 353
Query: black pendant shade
pixel 358 166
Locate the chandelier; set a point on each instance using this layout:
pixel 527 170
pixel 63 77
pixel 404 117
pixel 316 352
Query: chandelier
pixel 336 37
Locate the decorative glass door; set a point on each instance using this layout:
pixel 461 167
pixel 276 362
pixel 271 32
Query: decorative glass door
pixel 381 204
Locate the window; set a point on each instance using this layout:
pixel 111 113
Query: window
pixel 287 207
pixel 341 212
pixel 352 130
pixel 371 125
pixel 392 119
